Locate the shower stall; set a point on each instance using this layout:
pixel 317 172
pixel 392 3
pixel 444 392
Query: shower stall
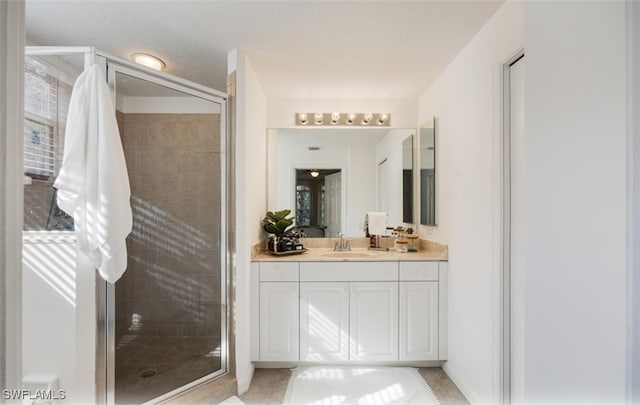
pixel 162 329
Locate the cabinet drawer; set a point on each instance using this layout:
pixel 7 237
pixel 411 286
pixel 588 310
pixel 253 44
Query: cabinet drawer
pixel 418 271
pixel 352 271
pixel 279 271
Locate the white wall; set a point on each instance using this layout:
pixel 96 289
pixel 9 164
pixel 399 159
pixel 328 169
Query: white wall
pixel 49 310
pixel 465 100
pixel 575 221
pixel 281 112
pixel 251 131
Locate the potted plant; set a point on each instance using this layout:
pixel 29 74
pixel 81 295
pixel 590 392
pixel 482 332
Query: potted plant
pixel 277 224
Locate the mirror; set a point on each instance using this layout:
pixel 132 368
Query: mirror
pixel 428 173
pixel 318 196
pixel 407 180
pixel 370 166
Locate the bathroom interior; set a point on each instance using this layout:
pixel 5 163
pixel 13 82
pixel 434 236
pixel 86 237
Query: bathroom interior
pixel 216 140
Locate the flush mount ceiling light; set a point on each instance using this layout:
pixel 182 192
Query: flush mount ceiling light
pixel 149 61
pixel 337 118
pixel 314 173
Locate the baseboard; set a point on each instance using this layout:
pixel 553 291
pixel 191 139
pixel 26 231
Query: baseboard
pixel 244 382
pixel 294 364
pixel 459 382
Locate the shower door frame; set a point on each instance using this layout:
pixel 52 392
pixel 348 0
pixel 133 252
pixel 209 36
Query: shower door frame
pixel 106 292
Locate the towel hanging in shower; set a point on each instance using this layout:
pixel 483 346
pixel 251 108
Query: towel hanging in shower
pixel 93 184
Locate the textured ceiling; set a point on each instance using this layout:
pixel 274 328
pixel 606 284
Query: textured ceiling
pixel 311 49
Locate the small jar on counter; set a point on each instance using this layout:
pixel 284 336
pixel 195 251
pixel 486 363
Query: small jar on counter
pixel 402 245
pixel 414 243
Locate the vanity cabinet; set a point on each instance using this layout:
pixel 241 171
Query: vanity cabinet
pixel 418 320
pixel 342 321
pixel 279 312
pixel 349 311
pixel 324 321
pixel 418 311
pixel 373 328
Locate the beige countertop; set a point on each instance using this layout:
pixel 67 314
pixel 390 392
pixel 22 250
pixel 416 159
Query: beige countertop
pixel 317 251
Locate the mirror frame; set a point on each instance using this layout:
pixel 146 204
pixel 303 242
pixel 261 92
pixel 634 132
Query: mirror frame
pixel 423 216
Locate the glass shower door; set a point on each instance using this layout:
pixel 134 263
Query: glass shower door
pixel 167 314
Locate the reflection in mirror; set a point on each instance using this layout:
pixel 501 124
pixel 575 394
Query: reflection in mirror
pixel 407 180
pixel 356 153
pixel 428 173
pixel 318 202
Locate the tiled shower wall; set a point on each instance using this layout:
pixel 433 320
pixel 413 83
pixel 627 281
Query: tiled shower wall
pixel 172 283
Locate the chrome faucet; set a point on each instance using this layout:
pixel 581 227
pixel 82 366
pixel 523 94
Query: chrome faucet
pixel 342 245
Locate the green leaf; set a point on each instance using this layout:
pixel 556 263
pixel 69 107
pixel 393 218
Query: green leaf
pixel 283 224
pixel 277 222
pixel 282 214
pixel 271 216
pixel 271 228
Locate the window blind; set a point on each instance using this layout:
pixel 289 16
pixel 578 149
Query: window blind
pixel 46 106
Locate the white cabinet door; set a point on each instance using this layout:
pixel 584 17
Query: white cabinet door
pixel 373 321
pixel 324 321
pixel 279 311
pixel 418 320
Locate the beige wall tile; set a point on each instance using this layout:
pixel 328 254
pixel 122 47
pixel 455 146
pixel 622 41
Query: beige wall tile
pixel 174 167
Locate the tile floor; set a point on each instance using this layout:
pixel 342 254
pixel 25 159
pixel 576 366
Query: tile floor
pixel 176 361
pixel 269 385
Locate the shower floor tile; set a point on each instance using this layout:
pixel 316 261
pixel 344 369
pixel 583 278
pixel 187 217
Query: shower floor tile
pixel 150 366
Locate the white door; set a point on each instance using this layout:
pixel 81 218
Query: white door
pixel 279 310
pixel 333 203
pixel 373 321
pixel 418 320
pixel 324 321
pixel 383 186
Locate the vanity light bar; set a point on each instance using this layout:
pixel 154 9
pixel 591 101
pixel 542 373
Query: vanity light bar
pixel 347 119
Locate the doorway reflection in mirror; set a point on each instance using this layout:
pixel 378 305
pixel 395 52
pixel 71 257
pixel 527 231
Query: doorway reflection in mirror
pixel 318 202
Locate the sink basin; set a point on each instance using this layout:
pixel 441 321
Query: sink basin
pixel 346 254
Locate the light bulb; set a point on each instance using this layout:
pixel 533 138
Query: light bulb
pixel 383 118
pixel 149 61
pixel 318 118
pixel 302 118
pixel 335 118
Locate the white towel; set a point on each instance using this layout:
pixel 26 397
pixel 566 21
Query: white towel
pixel 93 185
pixel 377 222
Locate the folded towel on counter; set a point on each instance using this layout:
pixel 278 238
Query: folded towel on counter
pixel 93 184
pixel 376 222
